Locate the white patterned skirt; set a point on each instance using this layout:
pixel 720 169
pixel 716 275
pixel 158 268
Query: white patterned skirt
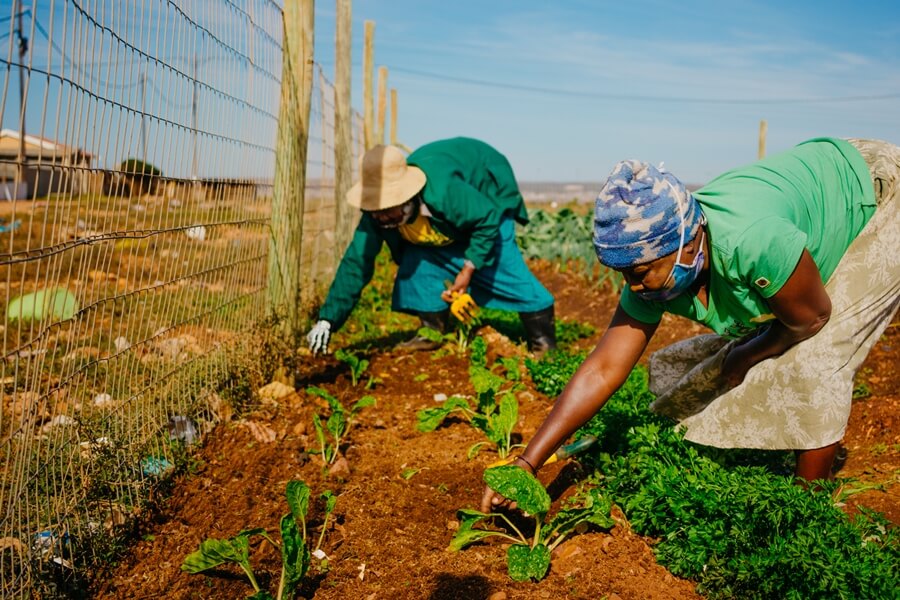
pixel 801 399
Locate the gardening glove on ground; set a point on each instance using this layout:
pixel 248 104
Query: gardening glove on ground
pixel 318 337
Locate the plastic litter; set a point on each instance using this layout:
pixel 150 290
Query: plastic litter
pixel 58 303
pixel 153 466
pixel 183 429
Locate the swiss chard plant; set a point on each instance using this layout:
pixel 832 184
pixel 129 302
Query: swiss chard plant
pixel 333 432
pixel 296 556
pixel 496 409
pixel 528 558
pixel 357 365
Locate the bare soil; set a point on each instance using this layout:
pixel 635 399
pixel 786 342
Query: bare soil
pixel 391 533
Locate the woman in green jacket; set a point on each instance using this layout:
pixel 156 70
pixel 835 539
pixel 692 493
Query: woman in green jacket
pixel 447 213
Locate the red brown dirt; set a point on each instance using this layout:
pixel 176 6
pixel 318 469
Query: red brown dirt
pixel 391 533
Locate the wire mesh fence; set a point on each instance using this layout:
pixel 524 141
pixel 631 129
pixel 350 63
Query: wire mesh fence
pixel 136 175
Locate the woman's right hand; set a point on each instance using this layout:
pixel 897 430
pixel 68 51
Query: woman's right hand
pixel 491 500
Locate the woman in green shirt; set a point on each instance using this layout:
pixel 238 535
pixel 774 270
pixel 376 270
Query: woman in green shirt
pixel 793 262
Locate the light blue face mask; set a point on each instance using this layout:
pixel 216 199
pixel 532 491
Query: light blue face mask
pixel 681 275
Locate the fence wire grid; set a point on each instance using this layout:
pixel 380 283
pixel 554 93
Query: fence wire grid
pixel 134 237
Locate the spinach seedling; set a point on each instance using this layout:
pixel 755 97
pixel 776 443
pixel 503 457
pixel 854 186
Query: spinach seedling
pixel 529 559
pixel 295 555
pixel 357 365
pixel 338 423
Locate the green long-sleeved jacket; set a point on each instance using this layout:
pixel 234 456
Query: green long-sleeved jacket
pixel 469 188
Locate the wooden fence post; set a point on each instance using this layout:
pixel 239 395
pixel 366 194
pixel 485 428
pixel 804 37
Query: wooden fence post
pixel 368 106
pixel 382 104
pixel 343 127
pixel 763 130
pixel 393 135
pixel 288 194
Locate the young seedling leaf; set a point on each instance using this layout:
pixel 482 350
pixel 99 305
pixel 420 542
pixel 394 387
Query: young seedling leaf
pixel 430 419
pixel 474 449
pixel 521 487
pixel 466 535
pixel 330 501
pixel 326 449
pixel 297 494
pixel 363 402
pixel 214 552
pixel 501 424
pixel 526 563
pixel 295 556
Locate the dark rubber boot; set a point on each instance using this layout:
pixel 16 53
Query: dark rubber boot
pixel 431 320
pixel 540 330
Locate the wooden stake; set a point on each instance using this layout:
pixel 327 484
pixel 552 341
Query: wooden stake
pixel 286 241
pixel 382 104
pixel 343 128
pixel 763 130
pixel 368 106
pixel 393 136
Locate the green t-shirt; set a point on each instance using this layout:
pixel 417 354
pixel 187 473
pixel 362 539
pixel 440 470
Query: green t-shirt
pixel 816 196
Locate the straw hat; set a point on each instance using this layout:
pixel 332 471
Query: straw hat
pixel 386 180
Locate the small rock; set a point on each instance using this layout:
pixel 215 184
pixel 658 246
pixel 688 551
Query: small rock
pixel 567 551
pixel 605 544
pixel 614 597
pixel 275 391
pixel 320 554
pixel 379 424
pixel 497 596
pixel 121 343
pixel 340 468
pixel 440 397
pixel 452 524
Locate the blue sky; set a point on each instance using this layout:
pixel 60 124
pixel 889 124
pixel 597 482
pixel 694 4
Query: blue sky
pixel 565 89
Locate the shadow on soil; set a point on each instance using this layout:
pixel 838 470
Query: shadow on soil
pixel 453 587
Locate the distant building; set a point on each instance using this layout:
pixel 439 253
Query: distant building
pixel 50 167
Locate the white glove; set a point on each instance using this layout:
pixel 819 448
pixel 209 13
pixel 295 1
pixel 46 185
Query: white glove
pixel 318 337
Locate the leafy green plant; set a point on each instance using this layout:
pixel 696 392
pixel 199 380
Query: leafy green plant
pixel 495 418
pixel 357 365
pixel 553 371
pixel 295 554
pixel 563 237
pixel 528 558
pixel 740 531
pixel 337 425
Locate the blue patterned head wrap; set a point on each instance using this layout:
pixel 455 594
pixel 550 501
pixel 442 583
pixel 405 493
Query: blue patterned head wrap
pixel 638 215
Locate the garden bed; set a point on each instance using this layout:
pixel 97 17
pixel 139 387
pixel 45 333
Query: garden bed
pixel 398 493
